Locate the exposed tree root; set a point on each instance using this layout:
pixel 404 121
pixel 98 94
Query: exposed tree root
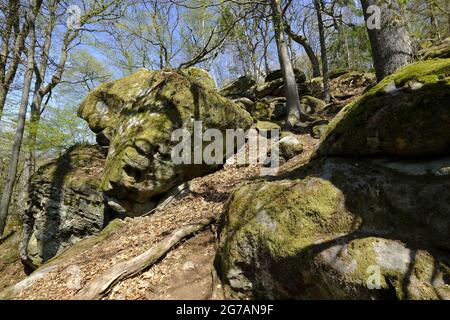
pixel 100 286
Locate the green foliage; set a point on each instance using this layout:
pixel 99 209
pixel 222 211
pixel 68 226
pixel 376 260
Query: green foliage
pixel 59 129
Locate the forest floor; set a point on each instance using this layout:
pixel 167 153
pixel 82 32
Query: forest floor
pixel 184 273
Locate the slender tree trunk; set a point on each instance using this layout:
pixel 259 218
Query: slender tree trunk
pixel 7 74
pixel 17 144
pixel 323 52
pixel 295 114
pixel 391 44
pixel 308 49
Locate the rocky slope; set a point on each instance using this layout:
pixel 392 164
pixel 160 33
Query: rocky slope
pixel 362 213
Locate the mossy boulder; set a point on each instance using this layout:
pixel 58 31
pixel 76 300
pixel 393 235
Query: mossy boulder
pixel 406 115
pixel 318 131
pixel 242 87
pixel 311 104
pixel 339 229
pixel 148 107
pixel 269 109
pixel 350 84
pixel 65 203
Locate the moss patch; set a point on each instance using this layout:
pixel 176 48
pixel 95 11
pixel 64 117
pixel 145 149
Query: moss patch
pixel 406 114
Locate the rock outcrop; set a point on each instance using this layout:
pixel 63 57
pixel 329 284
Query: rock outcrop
pixel 354 227
pixel 137 115
pixel 243 87
pixel 65 203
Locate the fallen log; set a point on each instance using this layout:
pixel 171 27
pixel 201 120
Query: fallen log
pixel 100 286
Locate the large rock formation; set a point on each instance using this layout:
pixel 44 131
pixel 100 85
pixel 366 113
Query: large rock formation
pixel 134 118
pixel 349 227
pixel 407 114
pixel 137 115
pixel 65 203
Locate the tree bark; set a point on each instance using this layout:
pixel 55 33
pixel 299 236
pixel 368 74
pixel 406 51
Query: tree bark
pixel 308 49
pixel 391 44
pixel 17 144
pixel 295 113
pixel 323 52
pixel 100 286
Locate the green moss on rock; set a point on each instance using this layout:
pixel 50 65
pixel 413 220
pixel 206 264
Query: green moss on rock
pixel 141 121
pixel 322 231
pixel 407 114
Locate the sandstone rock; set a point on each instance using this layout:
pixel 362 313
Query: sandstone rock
pixel 289 147
pixel 65 202
pixel 277 74
pixel 273 88
pixel 407 114
pixel 246 103
pixel 311 104
pixel 241 87
pixel 313 87
pixel 140 113
pixel 318 131
pixel 339 229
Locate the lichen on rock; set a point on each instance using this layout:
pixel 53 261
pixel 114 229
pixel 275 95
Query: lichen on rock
pixel 65 203
pixel 139 167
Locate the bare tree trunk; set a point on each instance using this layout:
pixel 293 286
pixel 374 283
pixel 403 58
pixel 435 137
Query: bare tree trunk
pixel 323 52
pixel 391 44
pixel 100 286
pixel 8 70
pixel 308 49
pixel 295 114
pixel 17 144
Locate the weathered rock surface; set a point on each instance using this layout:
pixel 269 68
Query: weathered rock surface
pixel 137 115
pixel 274 84
pixel 311 104
pixel 440 50
pixel 65 203
pixel 340 229
pixel 289 147
pixel 241 87
pixel 278 74
pixel 407 114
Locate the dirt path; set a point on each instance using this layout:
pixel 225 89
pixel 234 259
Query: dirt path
pixel 184 273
